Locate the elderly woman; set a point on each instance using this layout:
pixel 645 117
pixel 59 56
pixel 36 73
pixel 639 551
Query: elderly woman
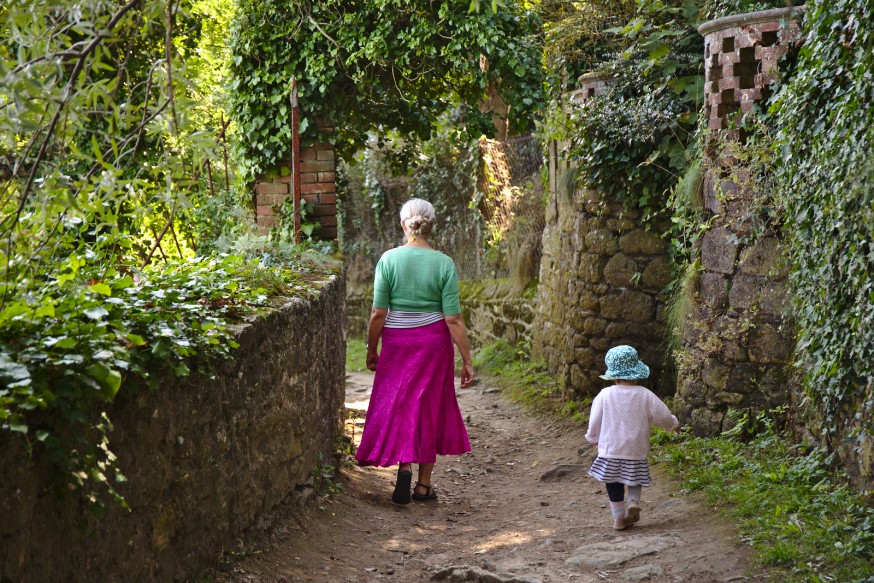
pixel 413 413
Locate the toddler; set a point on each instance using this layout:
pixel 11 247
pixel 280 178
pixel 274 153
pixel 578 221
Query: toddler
pixel 619 425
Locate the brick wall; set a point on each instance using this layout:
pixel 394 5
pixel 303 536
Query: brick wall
pixel 317 186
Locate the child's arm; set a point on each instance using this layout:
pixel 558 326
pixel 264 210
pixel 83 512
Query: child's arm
pixel 661 416
pixel 594 432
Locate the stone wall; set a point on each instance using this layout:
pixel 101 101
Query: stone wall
pixel 737 341
pixel 602 277
pixel 496 309
pixel 493 308
pixel 206 457
pixel 317 187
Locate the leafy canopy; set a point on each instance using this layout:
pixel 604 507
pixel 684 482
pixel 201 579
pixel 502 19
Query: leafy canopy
pixel 376 65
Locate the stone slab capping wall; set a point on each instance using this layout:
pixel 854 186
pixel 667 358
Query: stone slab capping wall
pixel 317 186
pixel 602 278
pixel 738 340
pixel 206 456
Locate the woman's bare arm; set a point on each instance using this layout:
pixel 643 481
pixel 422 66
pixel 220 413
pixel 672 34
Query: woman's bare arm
pixel 374 331
pixel 459 337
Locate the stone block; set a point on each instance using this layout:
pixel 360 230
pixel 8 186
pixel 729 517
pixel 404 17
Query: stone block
pixel 328 221
pixel 715 373
pixel 593 326
pixel 714 289
pixel 307 154
pixel 620 270
pixel 584 357
pixel 642 242
pixel 657 273
pixel 629 305
pixel 326 176
pixel 591 268
pixel 722 399
pixel 706 423
pixel 615 330
pixel 746 291
pixel 762 258
pixel 774 299
pixel 620 225
pixel 327 198
pixel 601 344
pixel 744 378
pixel 769 344
pixel 325 154
pixel 601 242
pixel 719 250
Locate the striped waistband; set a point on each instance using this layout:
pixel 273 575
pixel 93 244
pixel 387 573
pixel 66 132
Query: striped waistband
pixel 411 319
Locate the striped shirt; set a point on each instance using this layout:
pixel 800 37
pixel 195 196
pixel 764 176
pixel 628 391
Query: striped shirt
pixel 397 319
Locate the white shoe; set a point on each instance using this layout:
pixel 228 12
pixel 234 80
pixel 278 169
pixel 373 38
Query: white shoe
pixel 632 512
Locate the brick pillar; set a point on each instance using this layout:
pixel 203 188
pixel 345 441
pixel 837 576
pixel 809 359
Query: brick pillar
pixel 738 338
pixel 317 184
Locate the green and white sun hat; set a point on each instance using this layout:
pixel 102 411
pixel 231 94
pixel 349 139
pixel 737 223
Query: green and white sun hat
pixel 624 364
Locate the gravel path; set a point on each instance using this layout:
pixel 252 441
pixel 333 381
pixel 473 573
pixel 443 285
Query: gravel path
pixel 518 508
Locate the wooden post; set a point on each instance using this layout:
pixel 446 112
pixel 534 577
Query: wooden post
pixel 295 158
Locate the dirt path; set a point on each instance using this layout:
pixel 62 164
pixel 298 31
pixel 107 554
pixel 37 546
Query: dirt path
pixel 517 509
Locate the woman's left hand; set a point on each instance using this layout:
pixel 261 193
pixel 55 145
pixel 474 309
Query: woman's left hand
pixel 372 358
pixel 466 375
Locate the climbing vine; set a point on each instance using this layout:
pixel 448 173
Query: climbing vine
pixel 377 67
pixel 826 182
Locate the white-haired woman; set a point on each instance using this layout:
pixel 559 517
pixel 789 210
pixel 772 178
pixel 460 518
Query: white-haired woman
pixel 413 414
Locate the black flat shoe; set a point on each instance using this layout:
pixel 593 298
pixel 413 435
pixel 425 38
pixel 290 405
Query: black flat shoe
pixel 401 495
pixel 427 496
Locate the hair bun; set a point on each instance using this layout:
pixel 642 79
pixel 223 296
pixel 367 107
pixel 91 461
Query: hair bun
pixel 419 225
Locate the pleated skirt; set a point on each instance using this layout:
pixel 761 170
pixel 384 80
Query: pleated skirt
pixel 413 415
pixel 628 472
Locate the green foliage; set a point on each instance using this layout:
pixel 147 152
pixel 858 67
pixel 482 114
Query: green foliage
pixel 356 355
pixel 631 142
pixel 526 381
pixel 375 66
pixel 69 342
pixel 826 184
pixel 800 521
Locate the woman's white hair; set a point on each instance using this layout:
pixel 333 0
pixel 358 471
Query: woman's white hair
pixel 418 217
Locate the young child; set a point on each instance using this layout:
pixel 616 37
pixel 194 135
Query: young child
pixel 619 425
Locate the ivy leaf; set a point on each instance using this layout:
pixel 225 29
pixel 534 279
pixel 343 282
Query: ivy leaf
pixel 108 379
pixel 101 288
pixel 96 312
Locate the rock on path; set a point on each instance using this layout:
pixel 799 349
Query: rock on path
pixel 518 509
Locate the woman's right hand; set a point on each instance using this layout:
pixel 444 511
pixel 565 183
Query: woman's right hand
pixel 372 357
pixel 466 375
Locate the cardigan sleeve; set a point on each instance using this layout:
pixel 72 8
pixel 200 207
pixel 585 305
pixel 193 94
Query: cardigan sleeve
pixel 660 415
pixel 597 412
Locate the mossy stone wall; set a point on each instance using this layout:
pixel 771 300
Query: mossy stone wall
pixel 602 278
pixel 206 456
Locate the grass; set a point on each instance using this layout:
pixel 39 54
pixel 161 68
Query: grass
pixel 789 503
pixel 356 355
pixel 527 381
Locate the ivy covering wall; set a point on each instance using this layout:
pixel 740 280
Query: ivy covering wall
pixel 826 182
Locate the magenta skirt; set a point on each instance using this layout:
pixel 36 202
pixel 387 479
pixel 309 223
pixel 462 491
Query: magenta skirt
pixel 413 414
